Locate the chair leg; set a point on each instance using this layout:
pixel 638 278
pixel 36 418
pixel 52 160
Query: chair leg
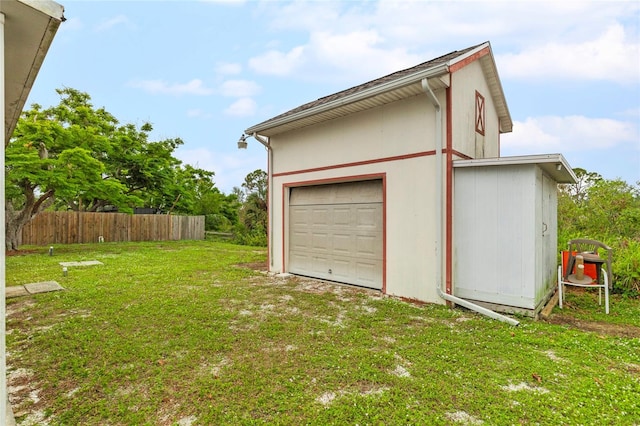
pixel 606 293
pixel 560 286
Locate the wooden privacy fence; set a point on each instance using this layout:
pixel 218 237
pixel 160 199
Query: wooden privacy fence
pixel 81 227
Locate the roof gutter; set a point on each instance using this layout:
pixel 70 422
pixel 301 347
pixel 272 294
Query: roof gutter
pixel 359 96
pixel 439 219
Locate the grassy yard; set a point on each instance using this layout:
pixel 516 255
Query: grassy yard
pixel 189 333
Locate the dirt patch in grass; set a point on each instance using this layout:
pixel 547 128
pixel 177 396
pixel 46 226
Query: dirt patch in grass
pixel 603 328
pixel 256 266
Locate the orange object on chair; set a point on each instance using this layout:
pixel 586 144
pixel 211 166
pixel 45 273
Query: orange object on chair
pixel 589 268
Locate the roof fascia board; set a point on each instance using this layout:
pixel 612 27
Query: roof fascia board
pixel 462 60
pixel 47 7
pixel 435 71
pixel 541 159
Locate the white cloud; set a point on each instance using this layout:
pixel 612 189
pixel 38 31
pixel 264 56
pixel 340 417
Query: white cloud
pixel 198 113
pixel 348 56
pixel 193 87
pixel 243 107
pixel 240 88
pixel 230 168
pixel 228 68
pixel 354 40
pixel 361 52
pixel 567 134
pixel 279 63
pixel 610 56
pixel 115 21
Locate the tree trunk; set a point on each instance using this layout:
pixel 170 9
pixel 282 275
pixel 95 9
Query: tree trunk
pixel 15 220
pixel 13 237
pixel 13 227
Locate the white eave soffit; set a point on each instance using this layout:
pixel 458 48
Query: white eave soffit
pixel 29 29
pixel 382 94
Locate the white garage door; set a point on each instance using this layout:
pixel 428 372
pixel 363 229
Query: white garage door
pixel 335 232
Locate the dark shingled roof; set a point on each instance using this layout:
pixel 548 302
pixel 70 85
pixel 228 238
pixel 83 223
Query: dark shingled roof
pixel 373 83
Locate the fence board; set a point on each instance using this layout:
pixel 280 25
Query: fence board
pixel 75 227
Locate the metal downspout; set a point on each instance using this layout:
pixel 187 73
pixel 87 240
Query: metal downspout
pixel 439 222
pixel 3 357
pixel 267 144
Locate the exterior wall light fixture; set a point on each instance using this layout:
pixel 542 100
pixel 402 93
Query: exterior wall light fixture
pixel 242 142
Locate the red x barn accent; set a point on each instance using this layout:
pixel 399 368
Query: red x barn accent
pixel 480 113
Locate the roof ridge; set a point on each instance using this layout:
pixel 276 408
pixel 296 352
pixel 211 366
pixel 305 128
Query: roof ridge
pixel 404 71
pixel 396 75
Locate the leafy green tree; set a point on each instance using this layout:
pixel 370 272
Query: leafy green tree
pixel 194 192
pixel 74 156
pixel 608 211
pixel 50 157
pixel 254 209
pixel 253 213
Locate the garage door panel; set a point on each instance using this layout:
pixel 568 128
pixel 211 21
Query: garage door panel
pixel 299 216
pixel 366 246
pixel 342 269
pixel 300 259
pixel 342 244
pixel 367 273
pixel 342 216
pixel 320 264
pixel 367 217
pixel 320 217
pixel 336 232
pixel 320 242
pixel 299 241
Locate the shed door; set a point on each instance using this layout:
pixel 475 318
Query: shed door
pixel 335 232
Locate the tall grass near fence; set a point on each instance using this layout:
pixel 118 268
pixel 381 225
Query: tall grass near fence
pixel 82 227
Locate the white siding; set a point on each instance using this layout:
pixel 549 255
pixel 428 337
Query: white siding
pixel 494 231
pixel 465 82
pixel 501 254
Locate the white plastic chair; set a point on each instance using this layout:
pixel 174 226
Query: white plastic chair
pixel 589 249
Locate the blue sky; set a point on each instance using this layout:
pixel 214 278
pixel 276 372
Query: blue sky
pixel 206 70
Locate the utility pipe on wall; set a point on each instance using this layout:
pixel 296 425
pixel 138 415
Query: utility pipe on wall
pixel 439 222
pixel 265 141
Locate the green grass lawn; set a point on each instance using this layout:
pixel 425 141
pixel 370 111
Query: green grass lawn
pixel 189 333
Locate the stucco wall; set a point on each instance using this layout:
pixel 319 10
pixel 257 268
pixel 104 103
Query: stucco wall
pixel 399 128
pixel 394 142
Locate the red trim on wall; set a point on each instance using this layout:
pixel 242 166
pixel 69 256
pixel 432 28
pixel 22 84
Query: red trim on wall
pixel 384 233
pixel 449 191
pixel 466 61
pixel 352 178
pixel 357 163
pixel 341 179
pixel 461 155
pixel 283 269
